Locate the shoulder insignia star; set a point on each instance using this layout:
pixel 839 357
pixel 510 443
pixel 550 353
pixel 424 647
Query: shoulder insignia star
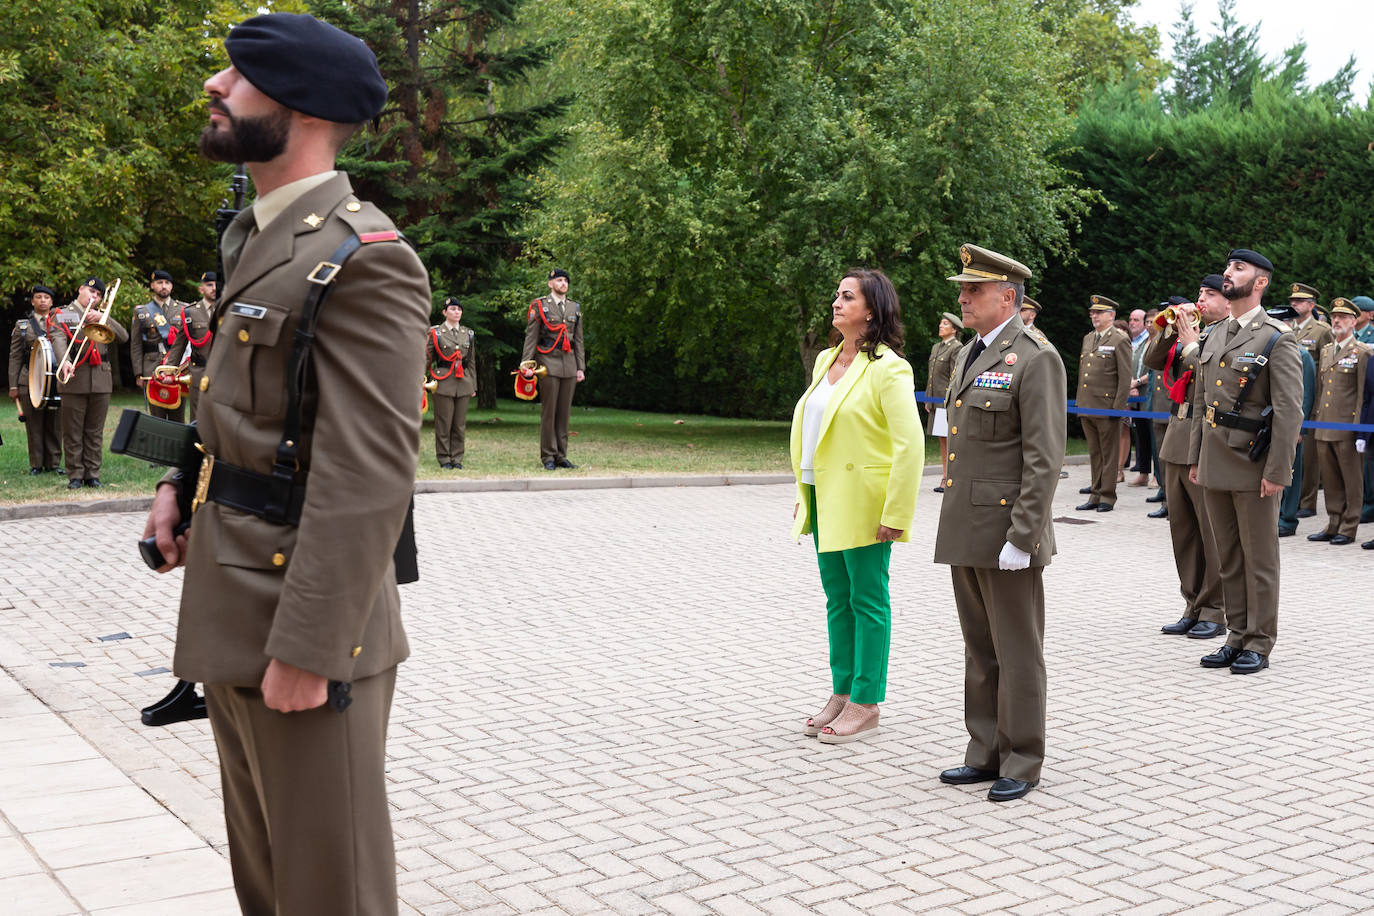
pixel 313 220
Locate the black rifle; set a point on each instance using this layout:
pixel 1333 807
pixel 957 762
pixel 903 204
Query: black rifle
pixel 238 187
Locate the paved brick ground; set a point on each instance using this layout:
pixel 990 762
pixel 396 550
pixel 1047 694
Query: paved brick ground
pixel 615 729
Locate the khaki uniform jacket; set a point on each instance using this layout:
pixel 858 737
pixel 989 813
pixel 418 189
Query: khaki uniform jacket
pixel 198 316
pixel 88 378
pixel 1174 448
pixel 321 596
pixel 146 329
pixel 1340 380
pixel 26 331
pixel 1221 453
pixel 940 368
pixel 1312 335
pixel 452 340
pixel 1006 445
pixel 537 337
pixel 1104 370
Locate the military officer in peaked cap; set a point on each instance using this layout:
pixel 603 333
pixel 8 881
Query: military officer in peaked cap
pixel 1311 335
pixel 1030 310
pixel 1104 382
pixel 1006 445
pixel 1340 386
pixel 290 613
pixel 939 370
pixel 1248 388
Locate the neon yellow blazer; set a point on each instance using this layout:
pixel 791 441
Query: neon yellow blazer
pixel 870 454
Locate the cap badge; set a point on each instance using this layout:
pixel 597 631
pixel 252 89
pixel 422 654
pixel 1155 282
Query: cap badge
pixel 1011 359
pixel 1295 287
pixel 313 220
pixel 965 255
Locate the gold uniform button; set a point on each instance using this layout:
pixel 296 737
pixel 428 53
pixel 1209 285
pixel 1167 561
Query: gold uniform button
pixel 205 383
pixel 959 403
pixel 949 481
pixel 951 456
pixel 1223 364
pixel 1218 383
pixel 243 336
pixel 1004 502
pixel 278 559
pixel 954 430
pixel 987 403
pixel 353 206
pixel 357 650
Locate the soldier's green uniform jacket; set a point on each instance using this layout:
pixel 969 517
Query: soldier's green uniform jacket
pixel 553 337
pixel 322 595
pixel 150 330
pixel 93 373
pixel 444 364
pixel 28 329
pixel 1006 445
pixel 1104 370
pixel 1312 335
pixel 940 368
pixel 1340 378
pixel 1174 448
pixel 194 331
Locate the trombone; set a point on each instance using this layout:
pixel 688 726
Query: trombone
pixel 96 331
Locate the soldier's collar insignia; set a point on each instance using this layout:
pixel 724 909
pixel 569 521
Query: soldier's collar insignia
pixel 313 220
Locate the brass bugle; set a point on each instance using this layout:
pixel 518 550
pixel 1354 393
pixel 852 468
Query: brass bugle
pixel 1170 316
pixel 431 385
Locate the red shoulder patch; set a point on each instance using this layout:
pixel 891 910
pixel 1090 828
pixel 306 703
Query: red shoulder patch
pixel 368 237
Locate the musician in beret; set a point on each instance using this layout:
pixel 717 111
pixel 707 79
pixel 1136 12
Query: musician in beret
pixel 150 337
pixel 191 331
pixel 553 339
pixel 42 425
pixel 453 367
pixel 290 613
pixel 85 379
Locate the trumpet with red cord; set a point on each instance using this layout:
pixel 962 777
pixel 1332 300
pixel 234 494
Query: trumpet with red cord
pixel 527 379
pixel 167 385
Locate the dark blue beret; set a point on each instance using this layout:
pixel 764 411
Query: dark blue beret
pixel 40 288
pixel 452 300
pixel 1175 300
pixel 208 277
pixel 1251 257
pixel 160 275
pixel 1282 312
pixel 309 66
pixel 559 272
pixel 1213 281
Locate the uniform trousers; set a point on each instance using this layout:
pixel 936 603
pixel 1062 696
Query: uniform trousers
pixel 1292 494
pixel 858 614
pixel 555 409
pixel 1002 615
pixel 1104 454
pixel 1246 536
pixel 305 802
pixel 178 415
pixel 1160 427
pixel 43 427
pixel 450 427
pixel 83 430
pixel 1343 481
pixel 192 398
pixel 1195 554
pixel 1311 472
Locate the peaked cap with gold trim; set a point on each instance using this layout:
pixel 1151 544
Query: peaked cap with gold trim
pixel 1028 302
pixel 1343 306
pixel 1303 291
pixel 983 266
pixel 1102 304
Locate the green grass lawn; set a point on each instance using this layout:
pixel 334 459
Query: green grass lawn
pixel 501 443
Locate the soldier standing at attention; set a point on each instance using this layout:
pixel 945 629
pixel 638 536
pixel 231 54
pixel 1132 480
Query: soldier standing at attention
pixel 290 589
pixel 938 373
pixel 1104 382
pixel 1249 387
pixel 453 364
pixel 1340 385
pixel 42 426
pixel 553 339
pixel 150 337
pixel 1311 335
pixel 1364 322
pixel 191 328
pixel 85 382
pixel 1173 354
pixel 1030 310
pixel 1006 444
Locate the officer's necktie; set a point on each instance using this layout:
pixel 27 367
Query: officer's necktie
pixel 978 347
pixel 1232 329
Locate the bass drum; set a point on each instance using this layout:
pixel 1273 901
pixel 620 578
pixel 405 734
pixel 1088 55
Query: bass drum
pixel 43 375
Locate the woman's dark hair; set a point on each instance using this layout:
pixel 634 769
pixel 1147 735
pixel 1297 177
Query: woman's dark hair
pixel 885 327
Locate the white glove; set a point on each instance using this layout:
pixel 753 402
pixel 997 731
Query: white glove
pixel 1359 446
pixel 1012 557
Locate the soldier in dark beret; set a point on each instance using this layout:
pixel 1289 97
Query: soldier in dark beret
pixel 150 337
pixel 42 425
pixel 290 613
pixel 553 339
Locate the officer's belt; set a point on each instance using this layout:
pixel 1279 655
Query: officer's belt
pixel 1234 420
pixel 244 490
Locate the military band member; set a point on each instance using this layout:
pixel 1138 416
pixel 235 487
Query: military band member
pixel 1311 335
pixel 1340 385
pixel 1255 354
pixel 1159 403
pixel 553 339
pixel 938 373
pixel 453 364
pixel 1104 382
pixel 191 330
pixel 1006 445
pixel 1173 354
pixel 42 426
pixel 150 337
pixel 85 381
pixel 286 593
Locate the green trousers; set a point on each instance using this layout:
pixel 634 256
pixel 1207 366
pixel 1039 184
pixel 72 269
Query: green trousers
pixel 858 613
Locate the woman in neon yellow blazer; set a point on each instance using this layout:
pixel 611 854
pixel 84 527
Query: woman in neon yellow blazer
pixel 857 452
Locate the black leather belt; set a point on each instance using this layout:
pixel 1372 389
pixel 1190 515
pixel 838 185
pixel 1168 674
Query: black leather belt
pixel 247 491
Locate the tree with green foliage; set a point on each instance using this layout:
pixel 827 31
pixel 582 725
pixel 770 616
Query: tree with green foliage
pixel 732 159
pixel 1100 46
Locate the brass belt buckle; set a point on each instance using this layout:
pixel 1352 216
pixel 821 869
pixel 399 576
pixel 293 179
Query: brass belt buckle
pixel 1211 416
pixel 207 465
pixel 1183 411
pixel 323 274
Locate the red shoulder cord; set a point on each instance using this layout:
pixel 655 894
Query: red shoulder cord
pixel 455 362
pixel 92 352
pixel 559 331
pixel 186 327
pixel 1178 391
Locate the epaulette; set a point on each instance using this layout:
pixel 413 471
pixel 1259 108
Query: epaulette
pixel 368 222
pixel 1276 324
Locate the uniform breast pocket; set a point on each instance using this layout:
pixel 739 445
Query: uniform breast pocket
pixel 991 414
pixel 248 359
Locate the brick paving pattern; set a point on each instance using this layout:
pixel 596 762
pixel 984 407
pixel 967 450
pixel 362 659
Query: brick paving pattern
pixel 615 728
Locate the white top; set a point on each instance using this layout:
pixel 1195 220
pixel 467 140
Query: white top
pixel 812 413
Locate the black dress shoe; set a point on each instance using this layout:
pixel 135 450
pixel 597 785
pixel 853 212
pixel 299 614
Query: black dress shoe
pixel 939 489
pixel 1063 474
pixel 93 482
pixel 1221 658
pixel 73 484
pixel 182 704
pixel 967 776
pixel 1087 507
pixel 1104 507
pixel 1306 513
pixel 1183 626
pixel 34 472
pixel 1085 490
pixel 1248 662
pixel 1368 545
pixel 1161 512
pixel 1157 498
pixel 1287 532
pixel 445 465
pixel 457 465
pixel 1205 629
pixel 1006 789
pixel 550 466
pixel 1340 540
pixel 1321 536
pixel 564 463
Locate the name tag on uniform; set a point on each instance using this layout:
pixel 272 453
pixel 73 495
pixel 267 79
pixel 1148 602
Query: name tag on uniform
pixel 247 311
pixel 1310 344
pixel 993 380
pixel 1107 348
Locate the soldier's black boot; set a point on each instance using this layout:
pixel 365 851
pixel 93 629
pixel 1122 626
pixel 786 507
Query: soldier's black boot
pixel 182 704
